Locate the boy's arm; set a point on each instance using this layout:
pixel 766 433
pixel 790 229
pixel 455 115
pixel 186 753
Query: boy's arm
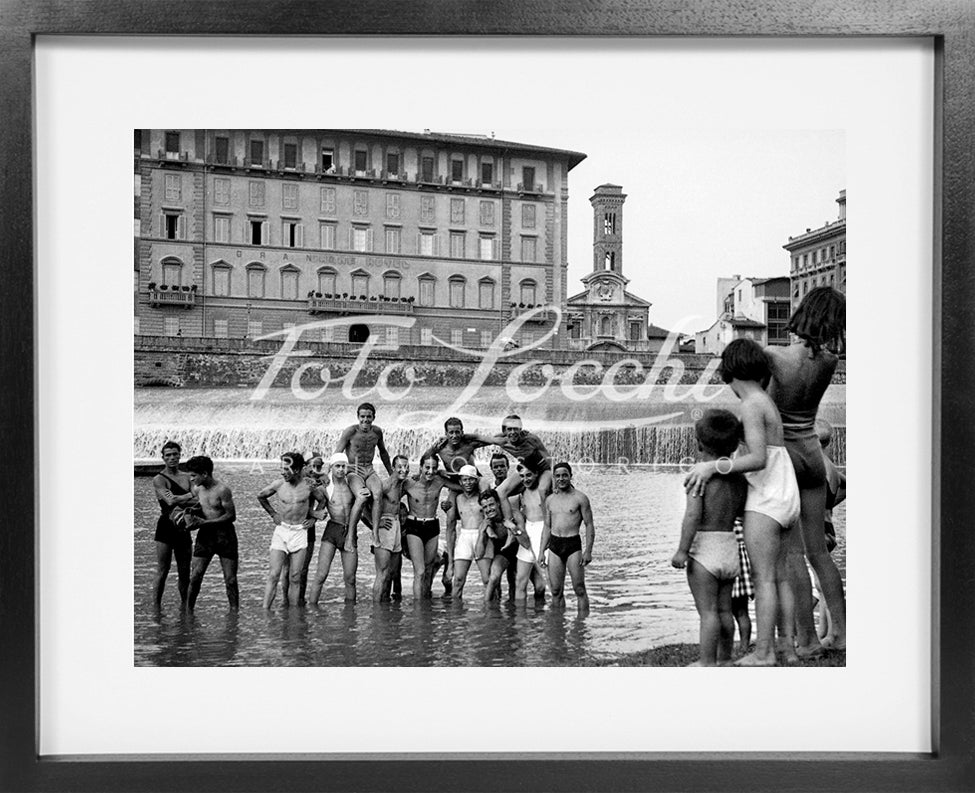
pixel 451 539
pixel 162 487
pixel 383 454
pixel 264 499
pixel 315 502
pixel 437 446
pixel 590 530
pixel 546 534
pixel 344 439
pixel 692 520
pixel 452 486
pixel 753 421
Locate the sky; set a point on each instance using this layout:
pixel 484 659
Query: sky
pixel 700 205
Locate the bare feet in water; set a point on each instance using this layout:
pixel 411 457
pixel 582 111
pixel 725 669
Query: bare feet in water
pixel 754 659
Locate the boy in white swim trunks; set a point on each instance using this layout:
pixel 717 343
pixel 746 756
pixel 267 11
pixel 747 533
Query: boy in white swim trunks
pixel 297 499
pixel 708 547
pixel 531 503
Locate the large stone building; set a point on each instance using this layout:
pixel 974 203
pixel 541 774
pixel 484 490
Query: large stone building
pixel 819 256
pixel 605 316
pixel 748 308
pixel 241 233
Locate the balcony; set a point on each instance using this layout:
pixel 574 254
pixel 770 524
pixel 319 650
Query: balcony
pixel 529 187
pixel 174 296
pixel 537 317
pixel 340 305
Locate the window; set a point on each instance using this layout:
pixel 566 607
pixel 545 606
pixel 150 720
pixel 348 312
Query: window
pixel 486 338
pixel 328 200
pixel 456 336
pixel 527 293
pixel 426 169
pixel 528 216
pixel 221 281
pixel 635 331
pixel 221 191
pixel 456 170
pixel 255 281
pixel 457 288
pixel 456 210
pixel 360 284
pixel 291 234
pixel 575 331
pixel 289 196
pixel 394 241
pixel 485 294
pixel 392 337
pixel 428 209
pixel 361 239
pixel 328 334
pixel 172 144
pixel 255 328
pixel 172 272
pixel 609 261
pixel 609 223
pixel 360 159
pixel 222 146
pixel 173 185
pixel 258 232
pixel 173 226
pixel 172 326
pixel 426 336
pixel 328 160
pixel 391 285
pixel 427 243
pixel 257 152
pixel 528 245
pixel 393 206
pixel 137 143
pixel 221 228
pixel 360 202
pixel 606 326
pixel 528 178
pixel 487 213
pixel 220 328
pixel 255 194
pixel 290 155
pixel 488 246
pixel 426 292
pixel 326 282
pixel 327 233
pixel 487 172
pixel 458 244
pixel 392 163
pixel 289 284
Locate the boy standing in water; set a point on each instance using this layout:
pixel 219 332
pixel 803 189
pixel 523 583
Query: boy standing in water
pixel 386 538
pixel 359 443
pixel 565 511
pixel 216 534
pixel 338 501
pixel 708 547
pixel 172 488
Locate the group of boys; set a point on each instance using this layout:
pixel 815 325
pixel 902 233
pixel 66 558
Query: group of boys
pixel 522 523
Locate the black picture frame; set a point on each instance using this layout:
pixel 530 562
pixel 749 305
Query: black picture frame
pixel 950 24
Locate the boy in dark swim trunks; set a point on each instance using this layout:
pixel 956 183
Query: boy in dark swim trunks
pixel 216 534
pixel 172 488
pixel 708 547
pixel 565 511
pixel 503 535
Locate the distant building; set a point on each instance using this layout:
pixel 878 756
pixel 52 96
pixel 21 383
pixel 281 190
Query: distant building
pixel 819 256
pixel 606 316
pixel 749 308
pixel 241 233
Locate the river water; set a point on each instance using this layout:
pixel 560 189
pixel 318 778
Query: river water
pixel 638 600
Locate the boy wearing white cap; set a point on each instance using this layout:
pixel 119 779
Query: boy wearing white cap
pixel 464 540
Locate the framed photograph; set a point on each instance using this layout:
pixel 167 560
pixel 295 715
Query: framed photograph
pixel 510 238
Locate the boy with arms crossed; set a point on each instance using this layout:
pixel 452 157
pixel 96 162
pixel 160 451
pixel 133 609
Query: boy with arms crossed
pixel 565 511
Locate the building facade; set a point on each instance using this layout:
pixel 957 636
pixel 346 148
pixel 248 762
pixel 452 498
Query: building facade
pixel 605 315
pixel 818 257
pixel 241 233
pixel 749 308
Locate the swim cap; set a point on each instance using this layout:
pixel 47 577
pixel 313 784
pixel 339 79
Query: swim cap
pixel 338 457
pixel 469 470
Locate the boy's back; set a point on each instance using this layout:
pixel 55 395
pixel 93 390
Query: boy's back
pixel 724 500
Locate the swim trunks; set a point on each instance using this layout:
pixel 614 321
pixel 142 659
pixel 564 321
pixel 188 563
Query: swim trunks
pixel 168 533
pixel 464 545
pixel 509 552
pixel 534 530
pixel 363 471
pixel 743 587
pixel 806 453
pixel 389 539
pixel 564 547
pixel 772 490
pixel 716 552
pixel 289 537
pixel 335 533
pixel 424 528
pixel 216 538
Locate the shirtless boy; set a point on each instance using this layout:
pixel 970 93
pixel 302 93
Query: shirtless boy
pixel 462 542
pixel 565 511
pixel 503 534
pixel 216 534
pixel 386 540
pixel 422 527
pixel 292 519
pixel 339 499
pixel 531 505
pixel 527 449
pixel 172 488
pixel 359 443
pixel 456 448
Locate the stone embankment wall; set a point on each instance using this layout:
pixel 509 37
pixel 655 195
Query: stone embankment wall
pixel 208 363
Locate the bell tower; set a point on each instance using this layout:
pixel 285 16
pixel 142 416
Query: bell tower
pixel 607 235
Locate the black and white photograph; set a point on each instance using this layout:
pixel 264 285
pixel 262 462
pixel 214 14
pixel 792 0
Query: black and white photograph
pixel 508 398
